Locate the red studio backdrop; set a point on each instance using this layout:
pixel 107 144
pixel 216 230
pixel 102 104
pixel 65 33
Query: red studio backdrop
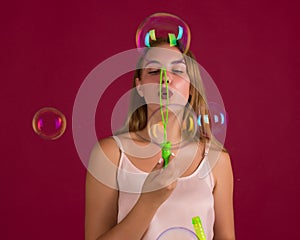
pixel 48 48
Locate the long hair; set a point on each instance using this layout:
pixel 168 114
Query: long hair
pixel 137 116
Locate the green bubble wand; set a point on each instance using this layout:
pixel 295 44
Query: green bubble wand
pixel 166 145
pixel 198 228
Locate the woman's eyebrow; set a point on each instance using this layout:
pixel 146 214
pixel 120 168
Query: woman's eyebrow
pixel 152 61
pixel 159 63
pixel 178 61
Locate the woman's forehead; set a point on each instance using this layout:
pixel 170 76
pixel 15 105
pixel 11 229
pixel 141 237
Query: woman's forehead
pixel 163 56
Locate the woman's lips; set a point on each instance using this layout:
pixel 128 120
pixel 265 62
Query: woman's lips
pixel 164 94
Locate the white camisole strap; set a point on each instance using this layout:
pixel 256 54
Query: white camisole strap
pixel 119 143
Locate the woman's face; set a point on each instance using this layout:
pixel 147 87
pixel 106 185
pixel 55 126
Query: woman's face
pixel 172 60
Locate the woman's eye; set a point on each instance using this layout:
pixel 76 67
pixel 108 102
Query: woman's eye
pixel 178 71
pixel 154 72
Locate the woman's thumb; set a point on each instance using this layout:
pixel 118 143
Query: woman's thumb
pixel 159 165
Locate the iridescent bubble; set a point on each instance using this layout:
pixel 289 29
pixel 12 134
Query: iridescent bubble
pixel 217 118
pixel 181 127
pixel 84 121
pixel 163 26
pixel 49 123
pixel 177 233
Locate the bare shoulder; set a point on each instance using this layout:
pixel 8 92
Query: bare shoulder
pixel 223 160
pixel 223 198
pixel 107 148
pixel 103 162
pixel 222 168
pixel 101 198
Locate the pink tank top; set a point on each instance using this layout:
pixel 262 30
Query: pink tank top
pixel 193 196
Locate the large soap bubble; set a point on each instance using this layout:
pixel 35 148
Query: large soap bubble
pixel 83 121
pixel 166 26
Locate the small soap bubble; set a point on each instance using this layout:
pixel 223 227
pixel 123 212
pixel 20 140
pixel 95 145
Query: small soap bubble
pixel 180 128
pixel 49 123
pixel 177 233
pixel 163 26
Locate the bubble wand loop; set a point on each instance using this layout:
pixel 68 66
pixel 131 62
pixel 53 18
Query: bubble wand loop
pixel 166 145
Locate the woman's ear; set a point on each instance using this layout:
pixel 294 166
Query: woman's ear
pixel 139 87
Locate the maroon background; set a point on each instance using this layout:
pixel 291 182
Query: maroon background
pixel 250 48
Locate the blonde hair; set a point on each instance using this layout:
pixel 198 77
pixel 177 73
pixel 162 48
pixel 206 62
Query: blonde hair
pixel 137 115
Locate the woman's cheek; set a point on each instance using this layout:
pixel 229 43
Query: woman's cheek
pixel 183 87
pixel 150 91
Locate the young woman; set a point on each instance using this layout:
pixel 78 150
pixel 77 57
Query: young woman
pixel 144 198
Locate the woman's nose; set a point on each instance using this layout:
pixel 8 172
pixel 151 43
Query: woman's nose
pixel 166 78
pixel 165 81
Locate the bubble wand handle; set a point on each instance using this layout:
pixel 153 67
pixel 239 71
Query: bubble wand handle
pixel 198 228
pixel 166 152
pixel 166 145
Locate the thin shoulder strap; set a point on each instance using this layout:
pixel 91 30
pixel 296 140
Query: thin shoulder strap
pixel 207 146
pixel 204 165
pixel 118 143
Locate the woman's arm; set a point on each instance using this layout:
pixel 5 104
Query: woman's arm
pixel 101 207
pixel 223 197
pixel 102 200
pixel 102 210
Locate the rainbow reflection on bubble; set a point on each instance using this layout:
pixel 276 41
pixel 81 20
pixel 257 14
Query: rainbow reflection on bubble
pixel 217 119
pixel 49 123
pixel 165 26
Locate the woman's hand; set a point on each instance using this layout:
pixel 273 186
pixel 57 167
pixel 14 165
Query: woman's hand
pixel 159 184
